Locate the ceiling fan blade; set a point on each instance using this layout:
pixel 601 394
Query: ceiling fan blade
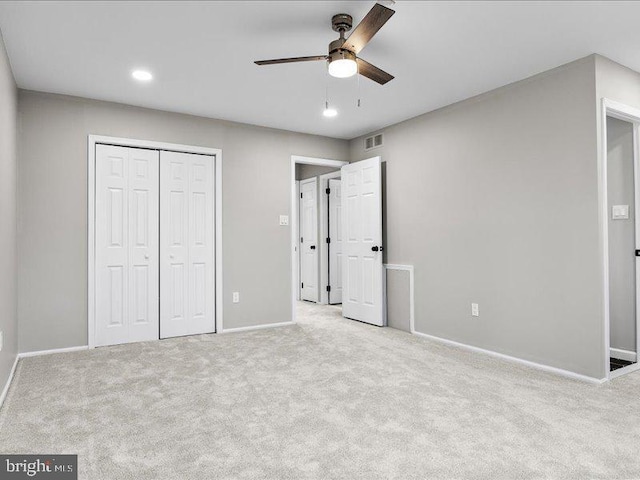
pixel 368 27
pixel 373 72
pixel 290 60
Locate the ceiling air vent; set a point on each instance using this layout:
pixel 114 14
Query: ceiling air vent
pixel 373 141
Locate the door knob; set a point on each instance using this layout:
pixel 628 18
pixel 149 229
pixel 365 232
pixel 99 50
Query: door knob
pixel 374 249
pixel 312 247
pixel 172 256
pixel 146 256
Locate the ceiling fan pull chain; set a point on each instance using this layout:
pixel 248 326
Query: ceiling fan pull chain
pixel 328 111
pixel 358 80
pixel 326 90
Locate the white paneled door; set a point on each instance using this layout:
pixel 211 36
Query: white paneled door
pixel 335 244
pixel 362 295
pixel 309 239
pixel 126 245
pixel 186 244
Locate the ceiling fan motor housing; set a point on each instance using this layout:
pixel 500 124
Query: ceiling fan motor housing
pixel 341 54
pixel 342 22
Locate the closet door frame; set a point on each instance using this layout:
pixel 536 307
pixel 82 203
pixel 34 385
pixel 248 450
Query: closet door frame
pixel 216 153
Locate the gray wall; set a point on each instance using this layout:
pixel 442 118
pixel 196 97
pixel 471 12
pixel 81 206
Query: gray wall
pixel 307 171
pixel 52 192
pixel 494 200
pixel 616 82
pixel 622 237
pixel 8 295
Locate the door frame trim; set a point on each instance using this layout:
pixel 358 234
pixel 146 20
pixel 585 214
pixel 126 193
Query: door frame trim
pixel 610 108
pixel 299 159
pixel 92 141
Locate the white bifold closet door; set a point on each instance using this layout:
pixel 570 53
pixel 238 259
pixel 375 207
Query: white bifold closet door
pixel 335 246
pixel 126 244
pixel 186 244
pixel 362 295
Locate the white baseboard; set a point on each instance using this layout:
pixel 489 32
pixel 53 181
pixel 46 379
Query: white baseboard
pixel 50 352
pixel 257 327
pixel 627 355
pixel 538 366
pixel 5 390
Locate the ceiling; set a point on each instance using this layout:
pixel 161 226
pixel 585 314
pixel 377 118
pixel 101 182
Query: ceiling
pixel 202 53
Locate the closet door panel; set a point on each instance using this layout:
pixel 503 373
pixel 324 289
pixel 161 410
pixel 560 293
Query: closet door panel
pixel 126 236
pixel 144 228
pixel 186 244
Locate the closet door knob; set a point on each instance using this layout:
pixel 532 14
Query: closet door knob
pixel 146 256
pixel 172 256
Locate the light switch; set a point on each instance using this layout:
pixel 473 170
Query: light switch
pixel 284 219
pixel 620 212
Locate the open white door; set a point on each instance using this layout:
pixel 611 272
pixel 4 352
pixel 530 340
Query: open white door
pixel 335 242
pixel 362 297
pixel 126 245
pixel 187 304
pixel 309 239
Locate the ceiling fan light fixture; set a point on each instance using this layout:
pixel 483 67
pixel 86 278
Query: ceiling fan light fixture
pixel 342 64
pixel 343 68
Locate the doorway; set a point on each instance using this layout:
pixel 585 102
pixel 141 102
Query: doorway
pixel 308 265
pixel 320 225
pixel 337 237
pixel 622 239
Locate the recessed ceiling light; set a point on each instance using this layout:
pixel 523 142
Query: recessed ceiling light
pixel 330 112
pixel 142 75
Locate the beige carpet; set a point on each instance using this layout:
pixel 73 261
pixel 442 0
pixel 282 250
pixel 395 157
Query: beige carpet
pixel 327 398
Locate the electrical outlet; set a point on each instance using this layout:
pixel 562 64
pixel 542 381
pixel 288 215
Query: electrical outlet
pixel 236 297
pixel 475 311
pixel 284 220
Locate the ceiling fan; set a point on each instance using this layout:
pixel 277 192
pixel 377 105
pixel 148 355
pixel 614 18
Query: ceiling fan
pixel 342 58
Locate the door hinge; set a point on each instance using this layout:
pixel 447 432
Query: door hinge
pixel 328 288
pixel 301 240
pixel 300 194
pixel 302 285
pixel 328 190
pixel 328 240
